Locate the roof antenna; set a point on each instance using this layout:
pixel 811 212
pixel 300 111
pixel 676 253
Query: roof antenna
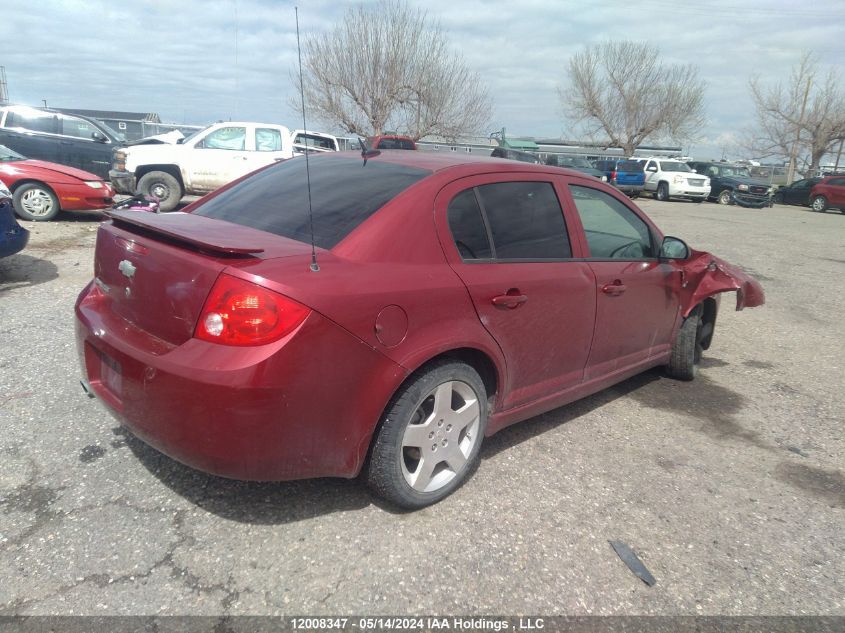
pixel 314 267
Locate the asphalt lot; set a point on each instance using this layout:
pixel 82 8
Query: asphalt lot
pixel 730 488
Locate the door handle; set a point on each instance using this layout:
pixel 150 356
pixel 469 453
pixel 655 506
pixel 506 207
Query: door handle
pixel 615 289
pixel 512 300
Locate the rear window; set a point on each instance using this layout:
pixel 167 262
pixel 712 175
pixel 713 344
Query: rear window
pixel 629 165
pixel 344 193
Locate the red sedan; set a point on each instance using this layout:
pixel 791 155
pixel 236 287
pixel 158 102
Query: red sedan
pixel 444 298
pixel 42 189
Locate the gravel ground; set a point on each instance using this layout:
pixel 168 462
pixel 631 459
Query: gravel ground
pixel 730 488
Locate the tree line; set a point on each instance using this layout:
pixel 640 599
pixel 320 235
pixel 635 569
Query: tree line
pixel 388 66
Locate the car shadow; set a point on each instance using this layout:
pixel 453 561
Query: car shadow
pixel 90 215
pixel 22 270
pixel 274 503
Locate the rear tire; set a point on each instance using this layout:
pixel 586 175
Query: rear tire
pixel 687 350
pixel 662 192
pixel 819 203
pixel 35 202
pixel 429 439
pixel 163 187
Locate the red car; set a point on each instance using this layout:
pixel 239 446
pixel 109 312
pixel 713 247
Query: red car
pixel 828 192
pixel 42 189
pixel 445 298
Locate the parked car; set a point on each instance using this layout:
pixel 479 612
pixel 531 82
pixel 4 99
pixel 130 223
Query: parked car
pixel 515 154
pixel 829 192
pixel 667 179
pixel 13 237
pixel 796 193
pixel 390 339
pixel 625 174
pixel 42 189
pixel 208 159
pixel 390 141
pixel 70 140
pixel 578 163
pixel 729 183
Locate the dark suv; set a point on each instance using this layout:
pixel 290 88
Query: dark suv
pixel 515 154
pixel 72 140
pixel 391 141
pixel 828 192
pixel 733 183
pixel 578 163
pixel 626 175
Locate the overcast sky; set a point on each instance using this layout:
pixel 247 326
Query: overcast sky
pixel 198 61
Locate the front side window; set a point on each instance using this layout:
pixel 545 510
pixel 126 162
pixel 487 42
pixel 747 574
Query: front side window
pixel 525 220
pixel 613 231
pixel 231 138
pixel 268 140
pixel 79 128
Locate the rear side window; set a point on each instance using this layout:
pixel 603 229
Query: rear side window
pixel 526 220
pixel 467 227
pixel 613 231
pixel 344 193
pixel 836 181
pixel 35 121
pixel 268 140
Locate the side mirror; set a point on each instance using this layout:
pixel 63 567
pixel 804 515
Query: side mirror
pixel 674 248
pixel 99 137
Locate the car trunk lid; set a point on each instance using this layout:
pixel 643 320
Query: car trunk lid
pixel 157 270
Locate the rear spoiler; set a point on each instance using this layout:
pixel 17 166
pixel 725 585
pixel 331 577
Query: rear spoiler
pixel 203 233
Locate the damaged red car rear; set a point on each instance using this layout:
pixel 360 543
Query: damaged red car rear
pixel 451 297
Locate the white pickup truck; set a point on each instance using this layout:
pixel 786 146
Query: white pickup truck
pixel 208 159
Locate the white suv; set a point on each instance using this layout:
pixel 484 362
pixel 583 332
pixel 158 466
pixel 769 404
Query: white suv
pixel 667 178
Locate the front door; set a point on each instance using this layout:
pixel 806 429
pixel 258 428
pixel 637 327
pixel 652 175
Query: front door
pixel 219 158
pixel 77 147
pixel 638 299
pixel 508 242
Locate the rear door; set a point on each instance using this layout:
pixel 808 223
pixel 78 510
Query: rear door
pixel 506 237
pixel 32 133
pixel 837 192
pixel 637 296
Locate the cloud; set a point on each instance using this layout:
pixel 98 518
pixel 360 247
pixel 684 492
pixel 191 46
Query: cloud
pixel 198 61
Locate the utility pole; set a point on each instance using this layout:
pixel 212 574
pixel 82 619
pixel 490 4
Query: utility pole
pixel 838 156
pixel 794 152
pixel 4 90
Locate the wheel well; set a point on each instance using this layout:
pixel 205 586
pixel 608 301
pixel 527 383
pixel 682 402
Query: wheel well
pixel 709 308
pixel 173 170
pixel 31 181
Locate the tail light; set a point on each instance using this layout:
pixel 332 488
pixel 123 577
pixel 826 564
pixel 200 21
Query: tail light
pixel 238 312
pixel 613 176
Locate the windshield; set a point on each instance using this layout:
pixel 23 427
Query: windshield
pixel 741 172
pixel 573 161
pixel 112 132
pixel 674 166
pixel 7 155
pixel 192 135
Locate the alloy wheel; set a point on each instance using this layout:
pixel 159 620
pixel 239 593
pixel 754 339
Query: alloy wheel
pixel 37 203
pixel 440 436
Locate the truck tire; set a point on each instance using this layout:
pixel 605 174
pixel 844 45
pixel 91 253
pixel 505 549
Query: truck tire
pixel 725 197
pixel 163 187
pixel 662 192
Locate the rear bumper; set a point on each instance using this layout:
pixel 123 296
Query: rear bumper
pixel 123 181
pixel 304 406
pixel 629 189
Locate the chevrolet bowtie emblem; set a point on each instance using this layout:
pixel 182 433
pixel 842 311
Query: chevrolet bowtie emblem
pixel 127 268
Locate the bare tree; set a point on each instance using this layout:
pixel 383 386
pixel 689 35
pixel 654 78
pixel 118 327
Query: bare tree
pixel 803 118
pixel 623 92
pixel 387 66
